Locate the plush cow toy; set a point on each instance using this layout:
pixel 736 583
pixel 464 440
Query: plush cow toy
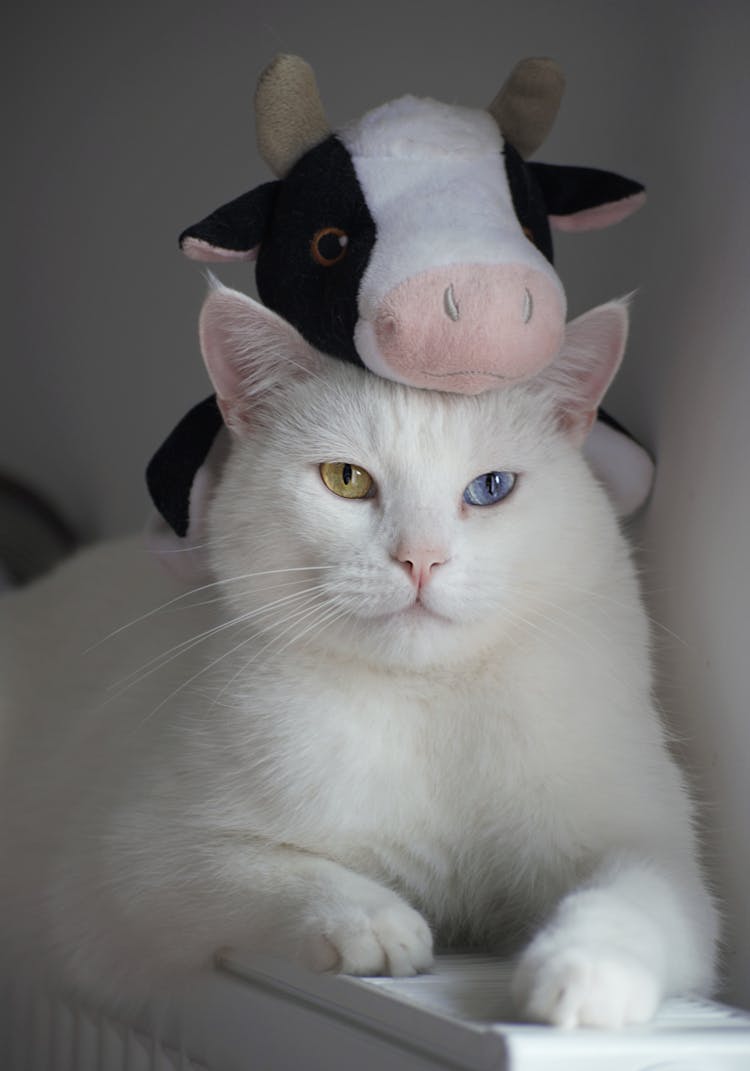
pixel 414 241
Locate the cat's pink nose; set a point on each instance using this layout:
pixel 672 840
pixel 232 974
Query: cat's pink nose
pixel 419 562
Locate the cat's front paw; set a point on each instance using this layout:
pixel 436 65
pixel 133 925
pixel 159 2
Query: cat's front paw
pixel 389 939
pixel 580 985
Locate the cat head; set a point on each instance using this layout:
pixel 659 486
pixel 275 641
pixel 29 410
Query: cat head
pixel 399 526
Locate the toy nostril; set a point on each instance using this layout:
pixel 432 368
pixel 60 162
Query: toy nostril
pixel 387 327
pixel 528 306
pixel 449 303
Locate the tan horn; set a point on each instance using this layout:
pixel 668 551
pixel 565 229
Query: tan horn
pixel 289 116
pixel 527 105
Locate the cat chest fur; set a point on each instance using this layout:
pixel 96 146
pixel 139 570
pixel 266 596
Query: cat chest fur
pixel 439 788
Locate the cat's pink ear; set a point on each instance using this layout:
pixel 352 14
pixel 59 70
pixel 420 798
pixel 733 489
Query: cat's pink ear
pixel 249 351
pixel 591 354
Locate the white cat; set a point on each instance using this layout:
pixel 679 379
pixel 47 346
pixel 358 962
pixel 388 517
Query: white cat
pixel 415 704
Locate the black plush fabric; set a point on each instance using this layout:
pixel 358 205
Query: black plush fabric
pixel 572 189
pixel 238 225
pixel 612 423
pixel 171 471
pixel 283 217
pixel 528 201
pixel 321 190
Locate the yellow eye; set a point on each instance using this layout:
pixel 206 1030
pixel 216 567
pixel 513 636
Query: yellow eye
pixel 347 480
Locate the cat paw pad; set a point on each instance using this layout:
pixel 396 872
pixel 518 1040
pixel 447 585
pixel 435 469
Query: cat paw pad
pixel 392 940
pixel 584 987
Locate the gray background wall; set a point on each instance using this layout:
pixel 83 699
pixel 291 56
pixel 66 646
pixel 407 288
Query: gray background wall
pixel 127 122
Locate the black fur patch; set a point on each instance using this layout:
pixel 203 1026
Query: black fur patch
pixel 321 190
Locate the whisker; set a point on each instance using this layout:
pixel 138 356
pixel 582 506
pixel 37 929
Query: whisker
pixel 216 662
pixel 227 684
pixel 237 594
pixel 216 541
pixel 165 657
pixel 591 593
pixel 196 591
pixel 575 634
pixel 187 683
pixel 334 614
pixel 303 613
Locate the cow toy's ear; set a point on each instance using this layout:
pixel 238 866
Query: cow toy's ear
pixel 234 231
pixel 586 198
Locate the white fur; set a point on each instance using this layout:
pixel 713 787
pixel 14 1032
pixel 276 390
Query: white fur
pixel 341 772
pixel 433 176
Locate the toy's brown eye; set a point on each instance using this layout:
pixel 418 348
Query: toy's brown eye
pixel 328 246
pixel 529 233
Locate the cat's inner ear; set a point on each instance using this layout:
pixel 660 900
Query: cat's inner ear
pixel 590 356
pixel 249 352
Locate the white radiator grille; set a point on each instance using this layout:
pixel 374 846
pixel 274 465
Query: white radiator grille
pixel 40 1033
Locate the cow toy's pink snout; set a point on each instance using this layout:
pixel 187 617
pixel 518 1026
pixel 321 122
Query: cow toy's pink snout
pixel 467 328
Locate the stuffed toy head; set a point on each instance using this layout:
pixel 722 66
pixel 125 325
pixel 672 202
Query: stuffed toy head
pixel 415 241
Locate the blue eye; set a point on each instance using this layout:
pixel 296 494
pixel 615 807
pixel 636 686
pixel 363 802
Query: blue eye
pixel 489 488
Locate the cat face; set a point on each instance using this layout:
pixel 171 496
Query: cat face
pixel 402 527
